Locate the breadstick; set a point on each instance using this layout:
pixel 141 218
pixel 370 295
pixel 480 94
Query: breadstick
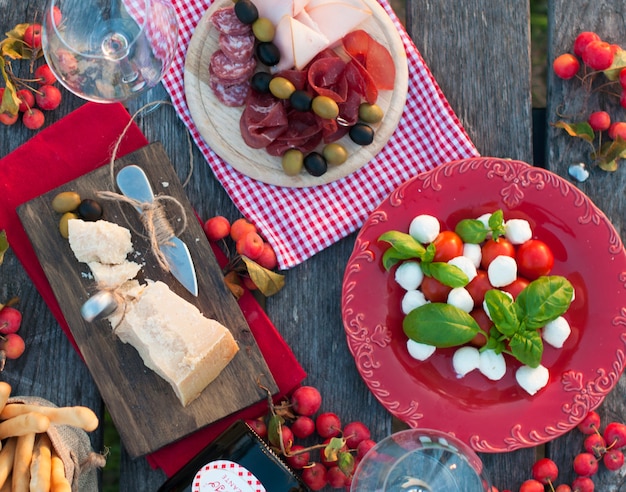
pixel 21 425
pixel 6 487
pixel 21 463
pixel 7 455
pixel 41 466
pixel 81 417
pixel 58 481
pixel 5 392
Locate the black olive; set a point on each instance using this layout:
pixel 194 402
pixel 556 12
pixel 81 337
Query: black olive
pixel 268 53
pixel 301 100
pixel 246 11
pixel 315 164
pixel 362 134
pixel 260 82
pixel 89 210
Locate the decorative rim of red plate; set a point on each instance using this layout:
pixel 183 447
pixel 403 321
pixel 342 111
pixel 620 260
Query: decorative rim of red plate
pixel 492 416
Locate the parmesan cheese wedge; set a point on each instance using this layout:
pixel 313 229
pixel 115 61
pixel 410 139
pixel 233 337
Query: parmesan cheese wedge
pixel 174 339
pixel 297 42
pixel 101 241
pixel 337 18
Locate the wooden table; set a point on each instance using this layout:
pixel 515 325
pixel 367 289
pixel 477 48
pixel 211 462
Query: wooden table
pixel 479 52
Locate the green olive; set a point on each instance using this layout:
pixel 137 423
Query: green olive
pixel 66 201
pixel 65 218
pixel 325 107
pixel 370 113
pixel 293 161
pixel 335 153
pixel 281 87
pixel 263 29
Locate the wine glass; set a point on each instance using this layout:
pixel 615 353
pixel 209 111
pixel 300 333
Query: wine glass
pixel 109 50
pixel 420 460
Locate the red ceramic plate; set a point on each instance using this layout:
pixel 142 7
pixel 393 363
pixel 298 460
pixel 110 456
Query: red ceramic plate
pixel 492 416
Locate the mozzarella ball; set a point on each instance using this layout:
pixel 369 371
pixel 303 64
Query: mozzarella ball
pixel 492 365
pixel 473 252
pixel 413 299
pixel 532 379
pixel 461 298
pixel 419 351
pixel 465 360
pixel 409 275
pixel 502 271
pixel 517 231
pixel 424 228
pixel 466 265
pixel 556 332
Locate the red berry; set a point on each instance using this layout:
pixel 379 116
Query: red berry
pixel 32 36
pixel 545 471
pixel 10 320
pixel 598 55
pixel 267 259
pixel 363 447
pixel 566 66
pixel 532 486
pixel 297 459
pixel 33 119
pixel 314 476
pixel 595 444
pixel 615 435
pixel 241 227
pixel 328 425
pixel 259 426
pixel 250 245
pixel 8 118
pixel 13 345
pixel 599 121
pixel 622 78
pixel 590 424
pixel 287 438
pixel 303 427
pixel 563 488
pixel 332 458
pixel 306 400
pixel 583 484
pixel 582 40
pixel 354 433
pixel 585 464
pixel 217 228
pixel 44 75
pixel 622 99
pixel 618 129
pixel 336 478
pixel 27 100
pixel 56 15
pixel 48 97
pixel 613 459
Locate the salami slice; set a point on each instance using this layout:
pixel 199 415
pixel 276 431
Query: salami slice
pixel 225 20
pixel 231 95
pixel 239 48
pixel 222 67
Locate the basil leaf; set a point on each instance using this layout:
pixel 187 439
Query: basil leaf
pixel 495 342
pixel 527 347
pixel 450 275
pixel 502 311
pixel 496 224
pixel 404 243
pixel 471 231
pixel 544 300
pixel 429 255
pixel 440 324
pixel 391 256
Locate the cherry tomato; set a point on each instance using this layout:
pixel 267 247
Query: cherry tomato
pixel 515 287
pixel 485 324
pixel 534 259
pixel 434 290
pixel 478 286
pixel 448 245
pixel 493 248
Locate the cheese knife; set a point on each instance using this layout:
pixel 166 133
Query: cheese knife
pixel 133 183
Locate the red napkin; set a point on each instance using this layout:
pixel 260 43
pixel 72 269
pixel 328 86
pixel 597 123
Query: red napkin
pixel 76 145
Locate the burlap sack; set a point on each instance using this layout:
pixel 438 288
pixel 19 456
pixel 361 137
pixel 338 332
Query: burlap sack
pixel 74 448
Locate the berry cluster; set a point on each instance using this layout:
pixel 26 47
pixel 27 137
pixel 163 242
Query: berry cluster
pixel 28 96
pixel 599 66
pixel 254 261
pixel 330 463
pixel 11 343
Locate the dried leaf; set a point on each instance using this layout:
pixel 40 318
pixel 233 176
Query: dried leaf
pixel 268 282
pixel 234 284
pixel 4 245
pixel 10 102
pixel 581 130
pixel 13 48
pixel 18 31
pixel 619 62
pixel 609 154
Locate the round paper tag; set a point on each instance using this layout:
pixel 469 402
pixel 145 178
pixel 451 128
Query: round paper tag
pixel 225 476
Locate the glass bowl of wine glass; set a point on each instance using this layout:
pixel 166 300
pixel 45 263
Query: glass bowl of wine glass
pixel 109 50
pixel 420 460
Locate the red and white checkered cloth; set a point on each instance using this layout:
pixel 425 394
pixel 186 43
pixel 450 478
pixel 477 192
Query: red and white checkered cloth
pixel 298 222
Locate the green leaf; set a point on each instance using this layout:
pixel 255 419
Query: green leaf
pixel 471 231
pixel 404 244
pixel 527 347
pixel 619 62
pixel 496 224
pixel 581 130
pixel 429 255
pixel 346 462
pixel 331 451
pixel 10 102
pixel 392 256
pixel 4 245
pixel 503 312
pixel 273 425
pixel 450 275
pixel 495 341
pixel 544 300
pixel 609 154
pixel 268 282
pixel 440 324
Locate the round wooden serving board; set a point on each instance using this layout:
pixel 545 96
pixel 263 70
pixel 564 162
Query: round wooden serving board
pixel 219 124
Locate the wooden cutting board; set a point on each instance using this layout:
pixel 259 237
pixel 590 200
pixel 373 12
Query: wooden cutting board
pixel 143 406
pixel 219 124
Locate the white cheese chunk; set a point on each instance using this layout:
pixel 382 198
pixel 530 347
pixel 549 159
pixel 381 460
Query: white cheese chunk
pixel 409 275
pixel 101 241
pixel 492 365
pixel 424 228
pixel 412 299
pixel 556 332
pixel 532 379
pixel 461 298
pixel 112 276
pixel 502 271
pixel 473 252
pixel 174 339
pixel 466 265
pixel 465 360
pixel 419 351
pixel 517 231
